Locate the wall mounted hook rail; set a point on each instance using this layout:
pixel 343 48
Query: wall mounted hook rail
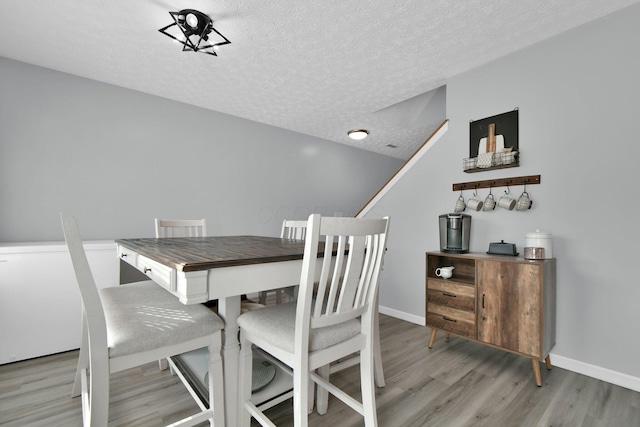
pixel 499 182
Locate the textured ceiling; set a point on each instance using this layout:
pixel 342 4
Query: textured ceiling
pixel 318 67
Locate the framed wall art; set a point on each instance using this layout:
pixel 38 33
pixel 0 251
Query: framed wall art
pixel 493 143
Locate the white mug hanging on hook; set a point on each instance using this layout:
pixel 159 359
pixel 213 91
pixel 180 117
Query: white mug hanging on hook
pixel 524 201
pixel 506 201
pixel 460 205
pixel 489 202
pixel 474 203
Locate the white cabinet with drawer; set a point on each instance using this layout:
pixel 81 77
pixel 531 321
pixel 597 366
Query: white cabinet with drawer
pixel 40 308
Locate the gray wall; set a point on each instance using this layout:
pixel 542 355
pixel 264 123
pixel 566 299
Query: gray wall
pixel 578 95
pixel 116 159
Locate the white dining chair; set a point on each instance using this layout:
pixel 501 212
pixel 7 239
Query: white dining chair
pixel 291 229
pixel 294 229
pixel 131 325
pixel 181 227
pixel 335 321
pixel 297 229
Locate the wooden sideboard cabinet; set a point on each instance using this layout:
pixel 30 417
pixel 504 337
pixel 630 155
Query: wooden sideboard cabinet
pixel 506 302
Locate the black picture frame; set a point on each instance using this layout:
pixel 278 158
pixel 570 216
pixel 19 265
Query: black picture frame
pixel 506 124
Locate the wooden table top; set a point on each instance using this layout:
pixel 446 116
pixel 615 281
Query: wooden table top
pixel 203 253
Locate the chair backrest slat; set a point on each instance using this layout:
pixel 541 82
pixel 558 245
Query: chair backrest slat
pixel 294 229
pixel 370 257
pixel 181 227
pixel 353 274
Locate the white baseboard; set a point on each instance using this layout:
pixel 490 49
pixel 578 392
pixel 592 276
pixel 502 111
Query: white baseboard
pixel 418 320
pixel 604 374
pixel 607 375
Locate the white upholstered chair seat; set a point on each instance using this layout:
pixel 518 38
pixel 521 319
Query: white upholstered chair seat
pixel 142 316
pixel 276 324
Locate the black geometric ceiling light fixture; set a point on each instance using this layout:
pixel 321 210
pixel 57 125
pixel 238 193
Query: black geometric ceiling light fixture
pixel 193 30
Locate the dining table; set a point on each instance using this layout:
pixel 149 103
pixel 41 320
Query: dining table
pixel 223 268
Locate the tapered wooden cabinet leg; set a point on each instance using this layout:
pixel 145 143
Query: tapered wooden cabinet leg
pixel 547 360
pixel 432 338
pixel 536 371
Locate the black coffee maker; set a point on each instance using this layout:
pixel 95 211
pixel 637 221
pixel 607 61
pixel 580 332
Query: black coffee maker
pixel 455 229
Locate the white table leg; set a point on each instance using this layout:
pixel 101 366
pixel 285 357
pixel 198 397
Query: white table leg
pixel 229 310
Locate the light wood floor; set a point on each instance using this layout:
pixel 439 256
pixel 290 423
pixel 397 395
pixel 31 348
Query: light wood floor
pixel 457 383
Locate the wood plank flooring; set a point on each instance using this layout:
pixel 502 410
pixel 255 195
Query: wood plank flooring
pixel 457 383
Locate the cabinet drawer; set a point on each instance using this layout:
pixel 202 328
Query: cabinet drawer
pixel 451 294
pixel 460 325
pixel 161 274
pixel 128 256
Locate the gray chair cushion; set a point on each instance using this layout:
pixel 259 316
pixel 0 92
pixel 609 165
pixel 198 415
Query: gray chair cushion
pixel 276 324
pixel 143 316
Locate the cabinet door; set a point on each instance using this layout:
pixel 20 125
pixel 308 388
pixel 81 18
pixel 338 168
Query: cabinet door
pixel 510 305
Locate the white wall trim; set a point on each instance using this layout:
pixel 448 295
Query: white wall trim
pixel 57 246
pixel 426 146
pixel 604 374
pixel 412 318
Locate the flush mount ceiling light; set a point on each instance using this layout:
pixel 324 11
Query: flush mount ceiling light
pixel 194 31
pixel 358 134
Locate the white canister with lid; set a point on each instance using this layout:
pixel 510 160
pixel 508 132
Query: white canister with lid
pixel 539 239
